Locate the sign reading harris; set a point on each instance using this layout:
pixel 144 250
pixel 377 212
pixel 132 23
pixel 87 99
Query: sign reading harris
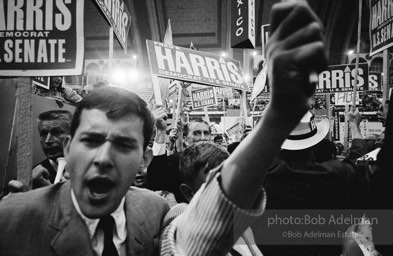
pixel 381 25
pixel 341 78
pixel 184 64
pixel 41 38
pixel 119 18
pixel 203 98
pixel 243 23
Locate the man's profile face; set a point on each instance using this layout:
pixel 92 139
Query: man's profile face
pixel 52 133
pixel 198 131
pixel 103 157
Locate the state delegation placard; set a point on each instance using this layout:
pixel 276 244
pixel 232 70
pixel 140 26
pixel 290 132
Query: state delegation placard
pixel 41 38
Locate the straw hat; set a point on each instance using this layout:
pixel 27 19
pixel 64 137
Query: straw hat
pixel 307 133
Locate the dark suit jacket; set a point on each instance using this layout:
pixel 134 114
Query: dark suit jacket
pixel 38 182
pixel 163 174
pixel 45 222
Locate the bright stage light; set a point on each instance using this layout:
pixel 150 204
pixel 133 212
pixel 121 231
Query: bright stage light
pixel 119 76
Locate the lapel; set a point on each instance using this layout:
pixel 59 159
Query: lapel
pixel 135 218
pixel 73 237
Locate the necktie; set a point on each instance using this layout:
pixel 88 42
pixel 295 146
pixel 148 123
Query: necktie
pixel 107 223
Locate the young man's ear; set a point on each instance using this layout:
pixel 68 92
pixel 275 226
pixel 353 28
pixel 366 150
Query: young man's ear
pixel 66 146
pixel 147 158
pixel 186 191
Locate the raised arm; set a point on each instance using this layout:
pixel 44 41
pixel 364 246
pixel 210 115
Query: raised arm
pixel 295 49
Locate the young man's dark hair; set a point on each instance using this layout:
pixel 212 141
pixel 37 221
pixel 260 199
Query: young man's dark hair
pixel 195 163
pixel 126 103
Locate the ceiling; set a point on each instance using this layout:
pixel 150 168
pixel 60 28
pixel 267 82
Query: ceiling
pixel 206 23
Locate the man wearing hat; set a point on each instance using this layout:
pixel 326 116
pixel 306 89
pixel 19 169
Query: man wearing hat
pixel 298 181
pixel 297 163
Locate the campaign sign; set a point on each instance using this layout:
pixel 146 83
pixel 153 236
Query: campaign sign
pixel 193 66
pixel 41 81
pixel 375 81
pixel 243 23
pixel 235 129
pixel 345 98
pixel 203 98
pixel 41 38
pixel 341 78
pixel 381 27
pixel 119 17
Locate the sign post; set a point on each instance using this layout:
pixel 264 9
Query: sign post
pixel 24 131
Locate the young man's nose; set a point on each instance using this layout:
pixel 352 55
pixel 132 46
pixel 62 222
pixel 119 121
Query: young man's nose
pixel 103 157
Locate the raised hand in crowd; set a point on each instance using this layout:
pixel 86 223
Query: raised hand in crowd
pixel 160 117
pixel 354 119
pixel 40 176
pixel 173 137
pixel 295 49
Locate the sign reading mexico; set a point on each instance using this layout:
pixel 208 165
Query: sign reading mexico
pixel 381 27
pixel 41 38
pixel 184 64
pixel 203 98
pixel 119 17
pixel 243 24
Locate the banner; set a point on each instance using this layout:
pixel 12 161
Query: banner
pixel 243 24
pixel 345 98
pixel 340 78
pixel 260 82
pixel 381 28
pixel 41 39
pixel 224 92
pixel 203 98
pixel 184 64
pixel 235 130
pixel 265 34
pixel 41 81
pixel 119 18
pixel 375 81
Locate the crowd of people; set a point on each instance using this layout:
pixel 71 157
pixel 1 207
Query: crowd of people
pixel 126 191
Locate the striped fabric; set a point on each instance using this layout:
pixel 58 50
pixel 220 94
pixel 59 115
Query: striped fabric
pixel 207 225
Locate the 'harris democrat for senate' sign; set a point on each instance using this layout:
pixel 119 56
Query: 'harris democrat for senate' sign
pixel 184 64
pixel 381 25
pixel 41 38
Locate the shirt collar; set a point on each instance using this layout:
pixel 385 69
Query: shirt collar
pixel 118 215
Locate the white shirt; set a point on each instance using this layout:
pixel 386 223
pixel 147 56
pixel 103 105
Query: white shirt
pixel 158 149
pixel 97 235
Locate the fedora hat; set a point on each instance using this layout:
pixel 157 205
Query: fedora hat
pixel 307 133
